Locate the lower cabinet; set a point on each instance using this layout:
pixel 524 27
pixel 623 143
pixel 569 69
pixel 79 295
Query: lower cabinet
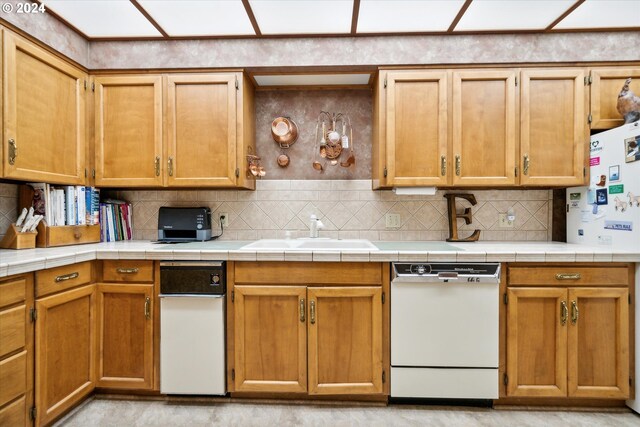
pixel 569 341
pixel 315 339
pixel 16 350
pixel 65 351
pixel 125 336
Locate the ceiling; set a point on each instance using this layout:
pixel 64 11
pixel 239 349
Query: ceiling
pixel 151 19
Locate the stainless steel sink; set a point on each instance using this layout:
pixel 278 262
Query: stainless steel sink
pixel 311 244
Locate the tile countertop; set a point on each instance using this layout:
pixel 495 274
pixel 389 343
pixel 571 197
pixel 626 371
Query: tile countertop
pixel 22 261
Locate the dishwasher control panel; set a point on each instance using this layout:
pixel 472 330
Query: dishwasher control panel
pixel 192 277
pixel 444 272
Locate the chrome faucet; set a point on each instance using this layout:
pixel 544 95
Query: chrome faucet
pixel 315 226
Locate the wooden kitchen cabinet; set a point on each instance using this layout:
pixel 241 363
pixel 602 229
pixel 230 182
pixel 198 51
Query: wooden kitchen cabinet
pixel 16 350
pixel 128 131
pixel 417 128
pixel 175 130
pixel 298 335
pixel 606 84
pixel 65 351
pixel 484 128
pixel 554 134
pixel 568 331
pixel 44 115
pixel 270 338
pixel 345 340
pixel 124 357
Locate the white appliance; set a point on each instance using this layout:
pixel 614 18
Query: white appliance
pixel 607 211
pixel 444 330
pixel 192 328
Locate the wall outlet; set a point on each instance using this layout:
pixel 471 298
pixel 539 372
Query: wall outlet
pixel 392 220
pixel 223 218
pixel 503 222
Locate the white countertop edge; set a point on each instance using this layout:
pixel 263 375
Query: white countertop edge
pixel 24 261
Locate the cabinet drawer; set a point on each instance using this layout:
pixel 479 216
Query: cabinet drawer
pixel 61 278
pixel 12 329
pixel 569 275
pixel 127 271
pixel 13 377
pixel 14 414
pixel 309 273
pixel 13 291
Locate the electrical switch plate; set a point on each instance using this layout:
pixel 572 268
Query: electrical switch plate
pixel 392 220
pixel 503 222
pixel 225 218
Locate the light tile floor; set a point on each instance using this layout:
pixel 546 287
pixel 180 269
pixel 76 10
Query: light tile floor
pixel 98 412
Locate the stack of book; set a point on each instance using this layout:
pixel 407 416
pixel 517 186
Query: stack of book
pixel 115 220
pixel 66 205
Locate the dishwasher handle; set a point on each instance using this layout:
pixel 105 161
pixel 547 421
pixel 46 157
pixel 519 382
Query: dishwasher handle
pixel 448 275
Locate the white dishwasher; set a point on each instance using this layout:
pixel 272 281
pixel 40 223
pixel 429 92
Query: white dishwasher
pixel 192 328
pixel 444 330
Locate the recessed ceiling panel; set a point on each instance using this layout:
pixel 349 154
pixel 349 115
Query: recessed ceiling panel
pixel 405 16
pixel 312 79
pixel 102 18
pixel 500 15
pixel 303 16
pixel 603 14
pixel 200 17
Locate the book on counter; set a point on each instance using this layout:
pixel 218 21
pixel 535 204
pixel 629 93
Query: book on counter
pixel 66 205
pixel 115 220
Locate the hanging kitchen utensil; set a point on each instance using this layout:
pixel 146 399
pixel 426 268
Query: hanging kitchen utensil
pixel 284 131
pixel 351 160
pixel 283 160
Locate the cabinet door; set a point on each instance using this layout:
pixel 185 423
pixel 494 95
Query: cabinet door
pixel 484 128
pixel 606 84
pixel 125 336
pixel 270 338
pixel 44 113
pixel 128 131
pixel 537 342
pixel 65 351
pixel 599 343
pixel 201 130
pixel 554 136
pixel 416 128
pixel 345 340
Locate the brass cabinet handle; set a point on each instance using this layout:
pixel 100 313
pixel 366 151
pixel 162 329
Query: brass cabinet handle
pixel 170 166
pixel 568 276
pixel 147 308
pixel 525 166
pixel 574 312
pixel 564 312
pixel 13 151
pixel 302 310
pixel 133 270
pixel 157 165
pixel 312 310
pixel 458 161
pixel 66 277
pixel 443 165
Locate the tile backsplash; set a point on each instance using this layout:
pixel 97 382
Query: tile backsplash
pixel 348 208
pixel 8 206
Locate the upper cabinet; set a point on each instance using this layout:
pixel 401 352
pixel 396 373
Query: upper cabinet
pixel 606 84
pixel 553 127
pixel 128 130
pixel 469 127
pixel 176 130
pixel 416 125
pixel 44 115
pixel 484 128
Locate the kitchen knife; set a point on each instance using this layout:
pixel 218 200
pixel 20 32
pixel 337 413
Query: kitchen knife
pixel 36 221
pixel 21 218
pixel 29 215
pixel 27 224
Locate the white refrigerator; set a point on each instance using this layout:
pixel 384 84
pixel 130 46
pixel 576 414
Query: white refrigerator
pixel 607 211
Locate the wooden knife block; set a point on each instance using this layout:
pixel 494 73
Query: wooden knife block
pixel 14 239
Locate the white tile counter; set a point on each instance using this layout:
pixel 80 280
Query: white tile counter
pixel 22 261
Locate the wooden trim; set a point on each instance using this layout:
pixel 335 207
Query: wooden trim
pixel 564 15
pixel 149 18
pixel 354 16
pixel 508 403
pixel 304 398
pixel 458 17
pixel 252 17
